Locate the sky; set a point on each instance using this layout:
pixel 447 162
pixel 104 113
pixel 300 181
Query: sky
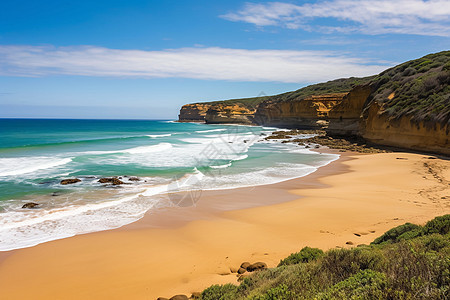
pixel 136 59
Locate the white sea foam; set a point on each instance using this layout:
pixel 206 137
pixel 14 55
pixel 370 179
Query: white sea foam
pixel 134 150
pixel 159 135
pixel 221 166
pixel 22 165
pixel 148 149
pixel 211 130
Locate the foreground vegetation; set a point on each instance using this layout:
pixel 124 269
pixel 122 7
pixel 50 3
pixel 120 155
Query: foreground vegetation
pixel 407 262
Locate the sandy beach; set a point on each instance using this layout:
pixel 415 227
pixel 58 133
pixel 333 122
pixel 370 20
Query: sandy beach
pixel 182 250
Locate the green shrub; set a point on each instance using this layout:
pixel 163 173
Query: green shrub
pixel 220 292
pixel 439 225
pixel 407 262
pixel 305 255
pixel 339 264
pixel 366 284
pixel 280 292
pixel 393 235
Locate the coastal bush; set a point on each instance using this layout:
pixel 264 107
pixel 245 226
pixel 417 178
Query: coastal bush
pixel 421 89
pixel 305 255
pixel 439 225
pixel 407 262
pixel 366 284
pixel 398 233
pixel 280 292
pixel 220 292
pixel 339 264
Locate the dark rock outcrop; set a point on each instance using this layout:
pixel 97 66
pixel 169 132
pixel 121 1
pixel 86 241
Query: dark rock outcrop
pixel 70 181
pixel 31 205
pixel 112 180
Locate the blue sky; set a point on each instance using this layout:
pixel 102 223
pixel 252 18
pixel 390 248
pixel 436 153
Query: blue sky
pixel 144 59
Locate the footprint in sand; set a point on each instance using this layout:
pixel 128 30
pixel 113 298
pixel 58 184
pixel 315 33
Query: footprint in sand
pixel 358 234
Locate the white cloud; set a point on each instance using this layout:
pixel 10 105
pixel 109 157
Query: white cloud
pixel 196 63
pixel 418 17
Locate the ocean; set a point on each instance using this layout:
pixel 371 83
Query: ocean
pixel 161 163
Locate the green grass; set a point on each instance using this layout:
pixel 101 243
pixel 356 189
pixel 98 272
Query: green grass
pixel 407 262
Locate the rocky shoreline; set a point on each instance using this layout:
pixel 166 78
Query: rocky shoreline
pixel 321 138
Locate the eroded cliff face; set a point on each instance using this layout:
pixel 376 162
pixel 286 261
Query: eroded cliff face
pixel 379 128
pixel 229 114
pixel 311 112
pixel 345 117
pixel 193 112
pixel 340 114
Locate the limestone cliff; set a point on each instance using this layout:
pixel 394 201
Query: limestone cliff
pixel 380 128
pixel 193 112
pixel 407 106
pixel 229 114
pixel 310 112
pixel 344 118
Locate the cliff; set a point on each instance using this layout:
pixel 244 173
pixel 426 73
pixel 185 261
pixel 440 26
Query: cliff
pixel 193 112
pixel 405 106
pixel 380 128
pixel 310 112
pixel 230 114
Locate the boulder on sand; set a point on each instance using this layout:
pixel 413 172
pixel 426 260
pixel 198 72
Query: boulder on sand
pixel 179 297
pixel 256 266
pixel 245 265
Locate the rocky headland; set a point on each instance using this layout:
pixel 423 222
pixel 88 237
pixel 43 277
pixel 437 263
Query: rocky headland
pixel 407 106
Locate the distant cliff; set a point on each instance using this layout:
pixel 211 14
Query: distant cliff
pixel 406 106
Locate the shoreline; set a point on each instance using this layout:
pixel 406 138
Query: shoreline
pixel 184 250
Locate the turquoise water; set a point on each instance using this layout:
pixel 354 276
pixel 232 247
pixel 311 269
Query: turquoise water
pixel 168 157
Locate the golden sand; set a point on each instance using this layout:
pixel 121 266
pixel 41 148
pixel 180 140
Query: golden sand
pixel 184 250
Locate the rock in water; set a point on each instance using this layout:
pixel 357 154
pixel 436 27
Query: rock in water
pixel 134 179
pixel 70 181
pixel 113 180
pixel 30 205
